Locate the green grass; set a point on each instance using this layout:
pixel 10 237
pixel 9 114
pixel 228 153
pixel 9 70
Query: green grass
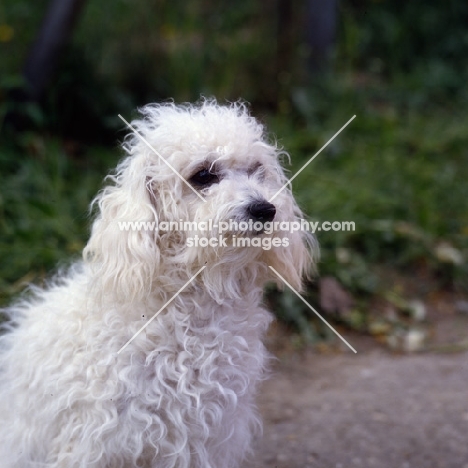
pixel 398 172
pixel 44 208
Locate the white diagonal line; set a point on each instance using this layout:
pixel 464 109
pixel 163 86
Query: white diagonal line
pixel 158 154
pixel 312 158
pixel 312 309
pixel 162 308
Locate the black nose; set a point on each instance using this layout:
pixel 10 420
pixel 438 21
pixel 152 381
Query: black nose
pixel 262 211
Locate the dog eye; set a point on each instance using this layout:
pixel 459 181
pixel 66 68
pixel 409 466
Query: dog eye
pixel 204 178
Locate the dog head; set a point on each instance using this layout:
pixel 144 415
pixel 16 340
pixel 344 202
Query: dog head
pixel 207 184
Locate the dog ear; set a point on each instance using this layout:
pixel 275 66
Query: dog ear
pixel 294 262
pixel 296 259
pixel 123 248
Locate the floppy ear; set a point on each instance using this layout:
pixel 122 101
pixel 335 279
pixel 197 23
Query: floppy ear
pixel 294 262
pixel 122 250
pixel 295 259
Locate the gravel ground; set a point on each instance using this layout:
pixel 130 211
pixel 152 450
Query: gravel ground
pixel 372 409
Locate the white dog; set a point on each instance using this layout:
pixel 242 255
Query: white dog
pixel 181 394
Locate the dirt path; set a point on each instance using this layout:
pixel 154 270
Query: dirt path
pixel 373 409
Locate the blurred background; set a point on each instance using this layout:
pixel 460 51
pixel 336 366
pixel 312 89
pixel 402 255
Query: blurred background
pixel 399 171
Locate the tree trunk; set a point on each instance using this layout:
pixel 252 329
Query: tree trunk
pixel 54 34
pixel 320 32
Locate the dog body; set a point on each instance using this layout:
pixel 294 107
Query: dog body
pixel 74 392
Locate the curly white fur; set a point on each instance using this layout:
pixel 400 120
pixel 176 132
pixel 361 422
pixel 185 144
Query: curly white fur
pixel 182 393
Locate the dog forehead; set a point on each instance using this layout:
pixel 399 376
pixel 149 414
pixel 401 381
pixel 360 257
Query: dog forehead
pixel 216 126
pixel 232 155
pixel 228 135
pixel 223 149
pixel 221 143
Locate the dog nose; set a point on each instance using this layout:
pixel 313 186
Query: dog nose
pixel 262 211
